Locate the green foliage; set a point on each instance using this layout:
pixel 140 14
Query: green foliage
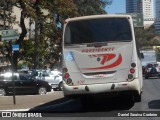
pixel 146 36
pixel 147 39
pixel 52 28
pixel 51 15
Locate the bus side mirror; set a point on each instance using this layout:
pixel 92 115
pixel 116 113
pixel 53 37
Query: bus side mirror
pixel 43 75
pixel 142 55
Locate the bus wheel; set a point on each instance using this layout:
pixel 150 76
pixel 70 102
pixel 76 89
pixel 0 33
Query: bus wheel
pixel 137 97
pixel 146 77
pixel 2 92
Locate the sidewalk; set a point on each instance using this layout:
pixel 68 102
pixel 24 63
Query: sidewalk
pixel 26 102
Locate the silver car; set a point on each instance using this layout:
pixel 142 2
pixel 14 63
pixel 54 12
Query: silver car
pixel 54 78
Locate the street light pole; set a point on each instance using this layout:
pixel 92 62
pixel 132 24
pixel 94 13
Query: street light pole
pixel 14 98
pixel 13 83
pixel 4 14
pixel 37 30
pixel 36 45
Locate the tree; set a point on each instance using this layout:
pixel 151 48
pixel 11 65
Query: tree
pixel 61 10
pixel 50 25
pixel 146 36
pixel 20 4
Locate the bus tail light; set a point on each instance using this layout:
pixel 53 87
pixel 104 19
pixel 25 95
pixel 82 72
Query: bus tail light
pixel 69 81
pixel 66 76
pixel 131 72
pixel 130 77
pixel 133 65
pixel 65 70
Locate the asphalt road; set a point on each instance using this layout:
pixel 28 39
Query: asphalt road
pixel 103 107
pixel 60 106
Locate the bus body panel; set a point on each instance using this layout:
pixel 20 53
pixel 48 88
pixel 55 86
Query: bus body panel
pixel 100 69
pixel 102 88
pixel 97 67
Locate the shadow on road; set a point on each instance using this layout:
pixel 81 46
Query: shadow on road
pixel 152 79
pixel 108 104
pixel 65 105
pixel 154 104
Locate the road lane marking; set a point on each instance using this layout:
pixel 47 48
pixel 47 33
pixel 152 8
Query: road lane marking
pixel 15 110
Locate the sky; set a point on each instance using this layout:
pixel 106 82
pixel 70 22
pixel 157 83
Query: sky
pixel 117 6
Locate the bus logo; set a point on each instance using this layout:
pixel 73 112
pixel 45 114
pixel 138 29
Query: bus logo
pixel 69 56
pixel 106 58
pixel 103 58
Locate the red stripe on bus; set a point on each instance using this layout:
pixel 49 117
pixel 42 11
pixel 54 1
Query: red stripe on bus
pixel 118 62
pixel 106 57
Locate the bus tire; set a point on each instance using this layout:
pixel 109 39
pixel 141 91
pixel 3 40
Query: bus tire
pixel 146 77
pixel 137 97
pixel 60 86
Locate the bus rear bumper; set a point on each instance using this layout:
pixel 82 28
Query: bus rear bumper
pixel 102 88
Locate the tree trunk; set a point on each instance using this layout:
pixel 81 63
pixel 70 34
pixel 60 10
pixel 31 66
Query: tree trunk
pixel 20 40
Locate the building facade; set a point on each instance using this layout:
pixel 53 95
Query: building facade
pixel 157 21
pixel 142 6
pixel 133 6
pixel 10 22
pixel 5 11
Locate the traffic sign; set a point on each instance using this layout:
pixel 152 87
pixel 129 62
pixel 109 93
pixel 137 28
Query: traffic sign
pixel 8 35
pixel 137 19
pixel 15 47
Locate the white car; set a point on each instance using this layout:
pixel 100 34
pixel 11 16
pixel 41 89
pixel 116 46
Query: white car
pixel 54 78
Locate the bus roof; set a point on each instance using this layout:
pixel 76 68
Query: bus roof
pixel 99 16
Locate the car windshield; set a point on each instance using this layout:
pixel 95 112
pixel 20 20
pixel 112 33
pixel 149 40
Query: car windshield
pixel 24 77
pixel 98 30
pixel 151 65
pixel 3 77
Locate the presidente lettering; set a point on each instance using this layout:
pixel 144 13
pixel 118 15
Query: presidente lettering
pixel 105 57
pixel 97 50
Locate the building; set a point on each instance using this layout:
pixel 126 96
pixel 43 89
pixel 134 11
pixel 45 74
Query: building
pixel 28 23
pixel 5 11
pixel 133 6
pixel 10 23
pixel 10 19
pixel 142 6
pixel 157 21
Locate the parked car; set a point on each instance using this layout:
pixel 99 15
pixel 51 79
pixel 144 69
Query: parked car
pixel 143 70
pixel 54 78
pixel 152 70
pixel 24 84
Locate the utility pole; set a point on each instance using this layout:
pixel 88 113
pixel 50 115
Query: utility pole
pixel 37 32
pixel 4 14
pixel 36 45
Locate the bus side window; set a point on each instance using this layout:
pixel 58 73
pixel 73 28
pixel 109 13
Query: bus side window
pixel 138 50
pixel 142 55
pixel 67 36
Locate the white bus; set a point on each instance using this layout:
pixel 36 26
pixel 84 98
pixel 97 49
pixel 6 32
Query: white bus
pixel 100 55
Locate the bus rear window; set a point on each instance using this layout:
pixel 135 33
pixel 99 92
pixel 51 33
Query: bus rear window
pixel 98 30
